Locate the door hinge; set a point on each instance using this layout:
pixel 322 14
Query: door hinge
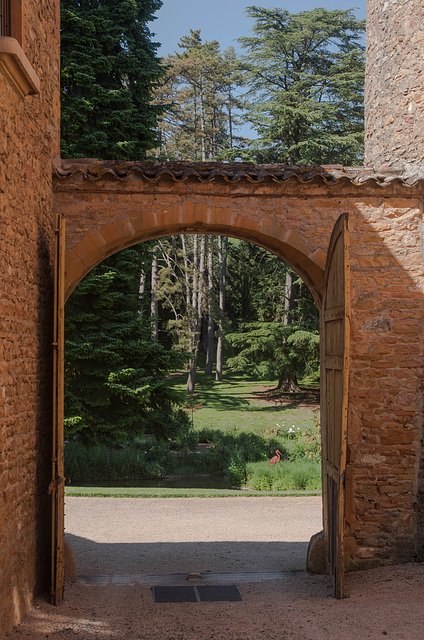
pixel 54 484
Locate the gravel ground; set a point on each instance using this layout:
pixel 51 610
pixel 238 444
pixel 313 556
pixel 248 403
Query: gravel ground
pixel 156 536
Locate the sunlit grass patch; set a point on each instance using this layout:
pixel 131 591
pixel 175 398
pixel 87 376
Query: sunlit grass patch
pixel 301 475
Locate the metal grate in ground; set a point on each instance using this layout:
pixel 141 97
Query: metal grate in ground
pixel 199 593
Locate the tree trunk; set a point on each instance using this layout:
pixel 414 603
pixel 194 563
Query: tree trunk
pixel 288 382
pixel 211 323
pixel 222 258
pixel 191 379
pixel 154 308
pixel 141 290
pixel 186 272
pixel 290 300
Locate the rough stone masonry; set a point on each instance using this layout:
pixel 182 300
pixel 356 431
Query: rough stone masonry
pixel 384 520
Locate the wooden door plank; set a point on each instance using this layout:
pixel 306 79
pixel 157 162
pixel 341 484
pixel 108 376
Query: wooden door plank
pixel 335 332
pixel 57 484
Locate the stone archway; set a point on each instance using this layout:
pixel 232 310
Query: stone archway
pixel 291 211
pixel 109 207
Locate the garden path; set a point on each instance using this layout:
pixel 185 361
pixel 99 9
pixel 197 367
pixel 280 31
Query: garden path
pixel 173 535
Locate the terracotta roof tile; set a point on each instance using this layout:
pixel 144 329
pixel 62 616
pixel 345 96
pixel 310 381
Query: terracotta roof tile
pixel 92 169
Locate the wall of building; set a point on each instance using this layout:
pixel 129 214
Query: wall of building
pixel 107 210
pixel 28 141
pixel 394 87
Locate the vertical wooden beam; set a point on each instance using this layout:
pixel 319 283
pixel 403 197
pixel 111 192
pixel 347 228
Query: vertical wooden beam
pixel 17 21
pixel 57 484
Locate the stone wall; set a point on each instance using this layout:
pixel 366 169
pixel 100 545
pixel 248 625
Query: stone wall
pixel 109 208
pixel 394 87
pixel 28 141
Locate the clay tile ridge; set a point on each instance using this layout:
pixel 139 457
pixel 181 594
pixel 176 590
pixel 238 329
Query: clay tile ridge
pixel 151 171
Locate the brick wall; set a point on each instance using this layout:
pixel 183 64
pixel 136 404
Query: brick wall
pixel 394 88
pixel 28 141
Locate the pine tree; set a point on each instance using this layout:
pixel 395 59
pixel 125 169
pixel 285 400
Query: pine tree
pixel 114 372
pixel 109 71
pixel 200 85
pixel 305 77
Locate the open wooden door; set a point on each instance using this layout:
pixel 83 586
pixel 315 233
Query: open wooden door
pixel 335 333
pixel 56 488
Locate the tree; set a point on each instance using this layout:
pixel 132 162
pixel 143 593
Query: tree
pixel 109 71
pixel 222 258
pixel 115 373
pixel 275 322
pixel 200 85
pixel 274 350
pixel 305 77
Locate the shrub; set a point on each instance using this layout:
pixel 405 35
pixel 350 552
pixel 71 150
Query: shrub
pixel 236 470
pixel 284 476
pixel 100 463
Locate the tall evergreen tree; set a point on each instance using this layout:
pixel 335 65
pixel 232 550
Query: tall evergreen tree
pixel 114 372
pixel 305 77
pixel 109 71
pixel 201 84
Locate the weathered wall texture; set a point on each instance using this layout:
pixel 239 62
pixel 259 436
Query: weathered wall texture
pixel 394 87
pixel 28 141
pixel 108 208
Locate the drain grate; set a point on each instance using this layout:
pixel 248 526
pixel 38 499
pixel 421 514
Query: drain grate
pixel 203 593
pixel 174 594
pixel 219 593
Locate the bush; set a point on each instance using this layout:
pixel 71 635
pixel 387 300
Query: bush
pixel 236 470
pixel 168 423
pixel 284 476
pixel 100 463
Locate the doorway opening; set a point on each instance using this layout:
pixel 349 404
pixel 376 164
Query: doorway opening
pixel 332 496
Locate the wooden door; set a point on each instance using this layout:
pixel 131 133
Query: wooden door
pixel 56 488
pixel 335 333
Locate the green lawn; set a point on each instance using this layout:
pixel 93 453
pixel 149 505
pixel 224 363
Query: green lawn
pixel 239 403
pixel 243 421
pixel 159 492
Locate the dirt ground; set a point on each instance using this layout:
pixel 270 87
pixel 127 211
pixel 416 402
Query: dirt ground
pixel 124 547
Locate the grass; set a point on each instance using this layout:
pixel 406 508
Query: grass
pixel 241 419
pixel 240 403
pixel 301 475
pixel 160 492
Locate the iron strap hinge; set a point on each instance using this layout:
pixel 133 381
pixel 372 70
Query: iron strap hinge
pixel 54 484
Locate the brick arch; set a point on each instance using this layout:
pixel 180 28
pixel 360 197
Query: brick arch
pixel 130 229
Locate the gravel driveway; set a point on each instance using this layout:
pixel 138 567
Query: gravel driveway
pixel 136 536
pixel 154 535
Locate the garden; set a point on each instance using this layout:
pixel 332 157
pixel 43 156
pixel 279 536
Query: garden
pixel 221 444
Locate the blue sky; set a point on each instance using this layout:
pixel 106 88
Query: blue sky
pixel 224 20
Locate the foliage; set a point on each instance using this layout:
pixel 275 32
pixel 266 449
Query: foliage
pixel 270 349
pixel 101 463
pixel 255 284
pixel 115 374
pixel 305 475
pixel 305 76
pixel 109 71
pixel 312 439
pixel 200 86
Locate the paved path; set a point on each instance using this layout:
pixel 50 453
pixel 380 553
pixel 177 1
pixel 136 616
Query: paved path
pixel 176 535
